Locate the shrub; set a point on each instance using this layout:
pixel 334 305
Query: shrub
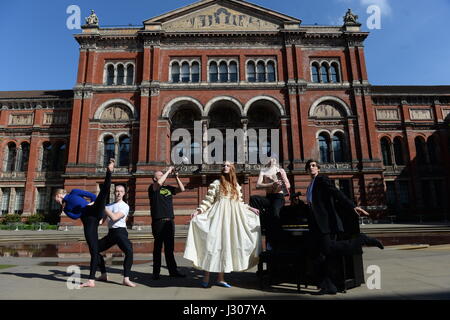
pixel 35 218
pixel 11 218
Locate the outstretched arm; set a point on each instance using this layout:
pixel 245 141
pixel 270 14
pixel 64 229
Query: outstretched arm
pixel 180 184
pixel 209 200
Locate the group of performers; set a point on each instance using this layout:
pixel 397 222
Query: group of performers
pixel 224 233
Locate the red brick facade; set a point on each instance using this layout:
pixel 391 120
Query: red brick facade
pixel 145 107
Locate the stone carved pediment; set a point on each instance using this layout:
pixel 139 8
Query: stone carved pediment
pixel 218 18
pixel 116 113
pixel 327 111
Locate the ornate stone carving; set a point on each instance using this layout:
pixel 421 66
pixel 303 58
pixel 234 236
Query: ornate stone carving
pixel 387 114
pixel 56 118
pixel 154 92
pixel 420 114
pixel 350 18
pixel 23 119
pixel 116 113
pixel 325 111
pixel 446 114
pixel 217 17
pixel 145 92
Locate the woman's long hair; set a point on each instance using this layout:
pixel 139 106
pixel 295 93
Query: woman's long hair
pixel 228 182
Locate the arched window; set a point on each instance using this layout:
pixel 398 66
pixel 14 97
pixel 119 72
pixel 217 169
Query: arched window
pixel 195 72
pixel 338 148
pixel 46 156
pixel 261 72
pixel 195 149
pixel 109 150
pixel 124 151
pixel 213 72
pixel 271 72
pixel 315 73
pixel 110 75
pixel 130 74
pixel 324 73
pixel 386 152
pixel 421 151
pixel 334 73
pixel 223 72
pixel 11 157
pixel 175 72
pixel 324 148
pixel 433 150
pixel 120 75
pixel 59 157
pixel 185 72
pixel 398 151
pixel 251 72
pixel 23 165
pixel 233 72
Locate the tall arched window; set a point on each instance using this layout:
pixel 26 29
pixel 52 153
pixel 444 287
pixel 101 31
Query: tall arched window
pixel 233 72
pixel 23 165
pixel 213 72
pixel 398 151
pixel 124 151
pixel 185 72
pixel 120 74
pixel 261 72
pixel 324 148
pixel 195 72
pixel 46 156
pixel 109 150
pixel 324 73
pixel 271 71
pixel 59 157
pixel 251 72
pixel 338 147
pixel 334 73
pixel 433 150
pixel 110 75
pixel 421 151
pixel 223 72
pixel 175 72
pixel 130 74
pixel 315 73
pixel 11 157
pixel 386 151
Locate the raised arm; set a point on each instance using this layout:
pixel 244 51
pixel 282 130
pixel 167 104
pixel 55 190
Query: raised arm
pixel 161 180
pixel 180 184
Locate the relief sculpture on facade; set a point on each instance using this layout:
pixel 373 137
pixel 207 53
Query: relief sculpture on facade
pixel 115 113
pixel 21 119
pixel 421 114
pixel 218 17
pixel 327 111
pixel 387 114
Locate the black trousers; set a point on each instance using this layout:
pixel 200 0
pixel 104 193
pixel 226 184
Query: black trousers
pixel 164 233
pixel 90 218
pixel 270 220
pixel 117 236
pixel 326 247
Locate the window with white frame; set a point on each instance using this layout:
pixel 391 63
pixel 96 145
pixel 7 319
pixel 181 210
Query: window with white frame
pixel 261 70
pixel 18 205
pixel 223 70
pixel 119 73
pixel 184 71
pixel 4 208
pixel 325 71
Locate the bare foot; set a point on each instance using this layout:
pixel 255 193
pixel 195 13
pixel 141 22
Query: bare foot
pixel 127 282
pixel 88 284
pixel 103 277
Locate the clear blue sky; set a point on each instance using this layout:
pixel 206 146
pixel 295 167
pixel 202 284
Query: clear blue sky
pixel 38 52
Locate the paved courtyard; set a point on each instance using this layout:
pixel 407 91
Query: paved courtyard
pixel 407 272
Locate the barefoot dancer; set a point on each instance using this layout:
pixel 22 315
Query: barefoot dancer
pixel 117 214
pixel 75 206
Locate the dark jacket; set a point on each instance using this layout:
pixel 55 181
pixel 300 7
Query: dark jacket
pixel 332 211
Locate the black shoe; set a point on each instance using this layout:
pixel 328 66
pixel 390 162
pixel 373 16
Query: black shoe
pixel 177 275
pixel 156 277
pixel 370 242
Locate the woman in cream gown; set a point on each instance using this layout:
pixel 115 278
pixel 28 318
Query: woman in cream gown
pixel 224 233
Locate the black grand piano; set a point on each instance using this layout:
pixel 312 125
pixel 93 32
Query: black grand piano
pixel 291 262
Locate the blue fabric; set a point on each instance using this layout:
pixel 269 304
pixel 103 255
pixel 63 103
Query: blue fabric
pixel 76 204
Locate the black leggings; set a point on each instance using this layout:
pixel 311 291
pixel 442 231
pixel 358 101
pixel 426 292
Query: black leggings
pixel 270 220
pixel 164 232
pixel 90 218
pixel 117 236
